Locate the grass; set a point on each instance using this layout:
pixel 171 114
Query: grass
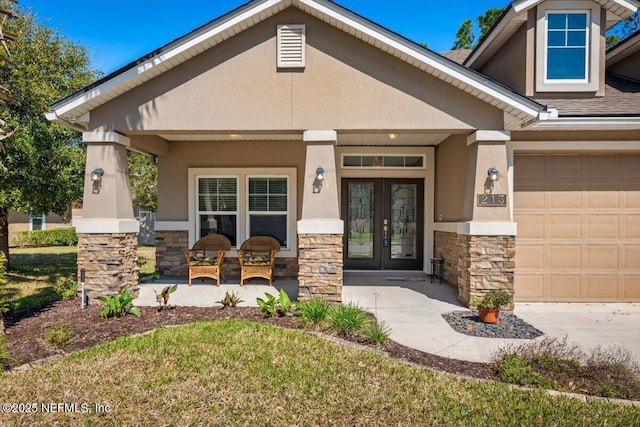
pixel 243 373
pixel 35 271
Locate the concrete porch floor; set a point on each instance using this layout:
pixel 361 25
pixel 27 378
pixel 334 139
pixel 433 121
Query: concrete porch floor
pixel 412 307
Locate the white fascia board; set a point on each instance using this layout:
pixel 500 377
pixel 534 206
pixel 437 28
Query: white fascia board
pixel 479 50
pixel 321 226
pixel 469 78
pixel 589 123
pixel 156 61
pixel 520 146
pixel 524 5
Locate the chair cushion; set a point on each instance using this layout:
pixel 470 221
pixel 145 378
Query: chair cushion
pixel 202 258
pixel 256 259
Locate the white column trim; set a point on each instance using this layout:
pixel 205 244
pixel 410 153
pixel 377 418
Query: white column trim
pixel 106 136
pixel 489 136
pixel 171 226
pixel 106 226
pixel 320 136
pixel 478 228
pixel 321 226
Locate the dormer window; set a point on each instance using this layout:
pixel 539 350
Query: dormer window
pixel 568 47
pixel 567 54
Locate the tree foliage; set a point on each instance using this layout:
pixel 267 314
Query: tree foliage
pixel 623 29
pixel 143 180
pixel 42 165
pixel 466 34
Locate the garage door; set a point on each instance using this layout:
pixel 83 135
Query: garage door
pixel 578 227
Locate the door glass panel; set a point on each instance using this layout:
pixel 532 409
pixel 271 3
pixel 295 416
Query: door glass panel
pixel 360 239
pixel 404 202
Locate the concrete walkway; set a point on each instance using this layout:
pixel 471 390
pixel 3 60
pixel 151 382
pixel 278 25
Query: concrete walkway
pixel 412 307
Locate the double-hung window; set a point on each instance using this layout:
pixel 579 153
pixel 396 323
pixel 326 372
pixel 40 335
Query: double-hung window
pixel 268 207
pixel 241 203
pixel 218 206
pixel 567 51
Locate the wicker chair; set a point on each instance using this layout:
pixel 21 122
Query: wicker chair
pixel 206 257
pixel 257 256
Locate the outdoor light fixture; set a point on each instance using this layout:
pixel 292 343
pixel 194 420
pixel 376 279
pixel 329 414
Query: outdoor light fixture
pixel 96 174
pixel 393 136
pixel 494 174
pixel 317 182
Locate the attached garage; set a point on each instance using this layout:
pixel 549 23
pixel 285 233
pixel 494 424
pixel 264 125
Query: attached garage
pixel 578 221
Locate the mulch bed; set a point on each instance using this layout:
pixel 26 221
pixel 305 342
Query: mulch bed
pixel 25 332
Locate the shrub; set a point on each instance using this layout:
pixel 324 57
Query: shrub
pixel 313 311
pixel 272 306
pixel 376 332
pixel 58 337
pixel 118 305
pixel 347 318
pixel 553 362
pixel 230 300
pixel 39 238
pixel 5 357
pixel 492 299
pixel 66 288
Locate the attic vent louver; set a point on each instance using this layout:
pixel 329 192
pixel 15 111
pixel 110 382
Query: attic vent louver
pixel 291 46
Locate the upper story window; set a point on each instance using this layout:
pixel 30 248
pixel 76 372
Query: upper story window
pixel 567 46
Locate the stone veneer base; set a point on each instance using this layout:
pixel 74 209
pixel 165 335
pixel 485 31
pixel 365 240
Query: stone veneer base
pixel 110 261
pixel 320 262
pixel 477 264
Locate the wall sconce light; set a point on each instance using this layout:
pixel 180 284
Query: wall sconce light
pixel 96 178
pixel 96 174
pixel 493 173
pixel 317 182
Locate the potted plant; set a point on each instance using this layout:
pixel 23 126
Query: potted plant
pixel 489 306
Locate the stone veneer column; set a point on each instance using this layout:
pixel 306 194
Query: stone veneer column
pixel 320 229
pixel 107 231
pixel 484 247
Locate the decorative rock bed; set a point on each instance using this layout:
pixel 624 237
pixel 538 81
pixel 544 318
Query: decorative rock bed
pixel 509 325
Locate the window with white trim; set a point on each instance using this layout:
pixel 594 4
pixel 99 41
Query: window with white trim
pixel 567 46
pixel 268 207
pixel 244 202
pixel 218 207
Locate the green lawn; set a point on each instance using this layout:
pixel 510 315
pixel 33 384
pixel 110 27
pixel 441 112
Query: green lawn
pixel 35 270
pixel 243 373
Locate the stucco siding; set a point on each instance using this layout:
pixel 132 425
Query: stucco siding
pixel 509 64
pixel 628 67
pixel 452 158
pixel 346 84
pixel 173 170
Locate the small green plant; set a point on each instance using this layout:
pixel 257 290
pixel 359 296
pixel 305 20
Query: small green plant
pixel 376 332
pixel 58 337
pixel 492 299
pixel 66 288
pixel 276 306
pixel 347 318
pixel 313 311
pixel 269 306
pixel 163 297
pixel 118 305
pixel 514 369
pixel 230 300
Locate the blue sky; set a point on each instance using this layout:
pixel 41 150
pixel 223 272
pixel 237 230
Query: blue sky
pixel 117 32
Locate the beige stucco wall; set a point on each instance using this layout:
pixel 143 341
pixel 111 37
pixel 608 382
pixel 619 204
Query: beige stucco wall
pixel 452 158
pixel 508 65
pixel 347 84
pixel 173 169
pixel 628 67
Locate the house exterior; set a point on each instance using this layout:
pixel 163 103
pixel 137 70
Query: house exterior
pixel 361 150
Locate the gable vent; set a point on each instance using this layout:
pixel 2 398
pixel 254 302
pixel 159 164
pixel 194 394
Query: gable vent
pixel 291 46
